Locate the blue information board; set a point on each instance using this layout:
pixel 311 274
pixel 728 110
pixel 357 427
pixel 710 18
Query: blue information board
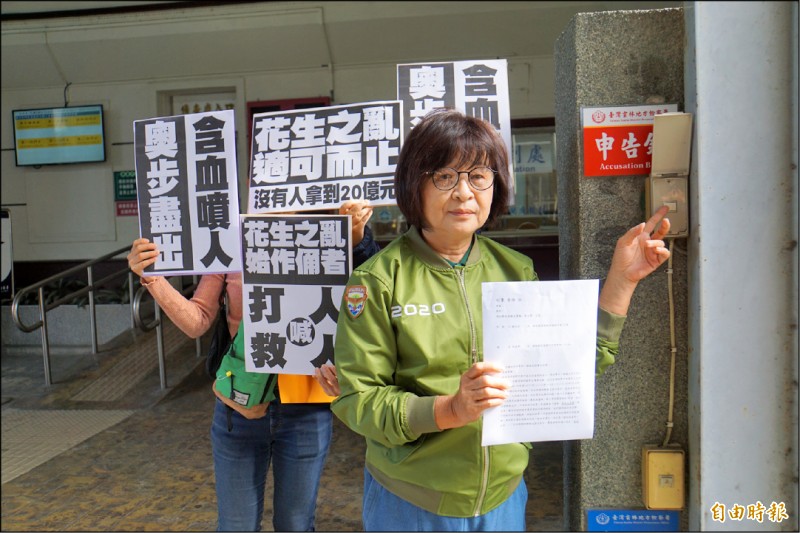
pixel 632 520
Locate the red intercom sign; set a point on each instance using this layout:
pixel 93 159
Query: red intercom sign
pixel 618 141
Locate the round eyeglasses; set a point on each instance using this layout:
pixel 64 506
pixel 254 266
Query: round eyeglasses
pixel 479 178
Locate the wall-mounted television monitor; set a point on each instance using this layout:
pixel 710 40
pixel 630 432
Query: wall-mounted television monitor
pixel 59 135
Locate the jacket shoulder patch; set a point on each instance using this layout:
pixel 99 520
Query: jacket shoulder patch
pixel 355 296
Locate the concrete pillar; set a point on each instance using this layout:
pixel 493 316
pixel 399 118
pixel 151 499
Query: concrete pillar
pixel 743 304
pixel 610 59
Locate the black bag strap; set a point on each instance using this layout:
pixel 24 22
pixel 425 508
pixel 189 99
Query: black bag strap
pixel 223 295
pixel 223 316
pixel 230 409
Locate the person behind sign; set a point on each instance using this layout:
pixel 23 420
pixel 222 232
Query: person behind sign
pixel 293 432
pixel 409 351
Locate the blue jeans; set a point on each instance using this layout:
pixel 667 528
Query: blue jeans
pixel 295 437
pixel 383 511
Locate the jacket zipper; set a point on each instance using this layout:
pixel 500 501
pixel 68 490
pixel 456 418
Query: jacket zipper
pixel 484 481
pixel 473 340
pixel 474 356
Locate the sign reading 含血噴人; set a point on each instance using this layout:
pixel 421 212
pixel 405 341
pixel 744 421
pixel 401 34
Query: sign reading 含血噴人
pixel 187 191
pixel 477 88
pixel 618 141
pixel 295 271
pixel 632 520
pixel 318 158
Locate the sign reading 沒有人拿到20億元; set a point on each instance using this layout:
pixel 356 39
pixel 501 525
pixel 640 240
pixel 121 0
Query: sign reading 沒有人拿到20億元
pixel 318 158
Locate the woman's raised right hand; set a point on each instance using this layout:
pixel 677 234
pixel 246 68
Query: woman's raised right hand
pixel 143 254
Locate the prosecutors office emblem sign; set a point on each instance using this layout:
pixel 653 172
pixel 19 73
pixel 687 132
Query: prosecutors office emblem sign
pixel 354 297
pixel 618 141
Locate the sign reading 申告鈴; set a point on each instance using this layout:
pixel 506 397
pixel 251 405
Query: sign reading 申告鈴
pixel 618 141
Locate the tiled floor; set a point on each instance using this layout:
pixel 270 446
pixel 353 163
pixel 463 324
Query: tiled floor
pixel 31 437
pixel 105 449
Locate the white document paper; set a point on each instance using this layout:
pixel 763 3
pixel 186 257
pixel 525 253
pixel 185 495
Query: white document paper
pixel 544 335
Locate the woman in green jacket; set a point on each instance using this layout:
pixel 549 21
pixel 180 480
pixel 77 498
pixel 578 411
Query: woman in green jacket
pixel 409 341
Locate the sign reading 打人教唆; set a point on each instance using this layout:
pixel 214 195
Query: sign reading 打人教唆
pixel 187 192
pixel 478 88
pixel 295 271
pixel 318 158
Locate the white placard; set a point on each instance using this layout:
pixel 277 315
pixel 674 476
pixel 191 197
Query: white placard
pixel 543 333
pixel 295 271
pixel 186 187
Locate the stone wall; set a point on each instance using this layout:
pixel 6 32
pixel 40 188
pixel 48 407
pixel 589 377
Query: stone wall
pixel 611 59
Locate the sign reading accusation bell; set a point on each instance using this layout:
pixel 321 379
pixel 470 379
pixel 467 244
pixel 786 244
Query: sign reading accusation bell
pixel 618 141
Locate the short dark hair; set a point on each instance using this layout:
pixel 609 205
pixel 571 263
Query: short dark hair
pixel 442 136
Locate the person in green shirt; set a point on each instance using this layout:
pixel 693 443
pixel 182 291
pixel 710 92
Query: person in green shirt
pixel 409 345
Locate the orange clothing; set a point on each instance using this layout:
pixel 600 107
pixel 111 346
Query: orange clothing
pixel 195 316
pixel 294 388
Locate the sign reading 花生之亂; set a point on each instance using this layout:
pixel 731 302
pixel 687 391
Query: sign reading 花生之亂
pixel 295 271
pixel 187 192
pixel 318 158
pixel 618 141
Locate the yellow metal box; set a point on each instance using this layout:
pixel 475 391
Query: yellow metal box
pixel 662 477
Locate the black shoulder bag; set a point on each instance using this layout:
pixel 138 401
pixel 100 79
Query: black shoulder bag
pixel 220 340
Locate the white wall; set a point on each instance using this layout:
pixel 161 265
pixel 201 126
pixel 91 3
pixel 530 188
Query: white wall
pixel 743 263
pixel 67 212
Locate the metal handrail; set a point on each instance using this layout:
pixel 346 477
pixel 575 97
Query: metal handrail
pixel 136 306
pixel 44 308
pixel 134 301
pixel 138 321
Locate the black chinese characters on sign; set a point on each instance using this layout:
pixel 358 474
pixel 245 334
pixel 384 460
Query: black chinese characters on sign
pixel 295 271
pixel 318 158
pixel 187 192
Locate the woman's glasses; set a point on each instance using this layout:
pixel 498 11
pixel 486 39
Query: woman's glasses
pixel 479 178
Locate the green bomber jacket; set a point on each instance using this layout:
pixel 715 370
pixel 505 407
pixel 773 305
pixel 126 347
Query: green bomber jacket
pixel 409 327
